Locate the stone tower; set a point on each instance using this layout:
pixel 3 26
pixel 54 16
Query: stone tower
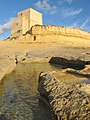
pixel 25 20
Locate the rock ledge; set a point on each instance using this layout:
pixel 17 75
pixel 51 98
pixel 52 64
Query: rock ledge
pixel 68 101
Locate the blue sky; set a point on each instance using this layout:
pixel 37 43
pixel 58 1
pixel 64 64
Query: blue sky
pixel 74 13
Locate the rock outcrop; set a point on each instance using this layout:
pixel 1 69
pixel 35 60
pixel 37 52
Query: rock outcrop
pixel 50 33
pixel 68 101
pixel 83 73
pixel 69 63
pixel 44 42
pixel 59 30
pixel 56 34
pixel 7 64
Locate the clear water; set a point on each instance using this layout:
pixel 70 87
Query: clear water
pixel 19 94
pixel 85 81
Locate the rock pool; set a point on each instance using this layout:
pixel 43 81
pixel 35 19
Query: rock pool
pixel 19 94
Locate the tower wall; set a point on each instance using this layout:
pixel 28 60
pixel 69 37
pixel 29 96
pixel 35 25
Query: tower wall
pixel 25 20
pixel 16 27
pixel 35 18
pixel 25 14
pixel 25 25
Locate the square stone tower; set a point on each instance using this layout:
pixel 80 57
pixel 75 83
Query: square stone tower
pixel 25 20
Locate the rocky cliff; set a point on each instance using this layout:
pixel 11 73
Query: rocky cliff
pixel 57 30
pixel 55 34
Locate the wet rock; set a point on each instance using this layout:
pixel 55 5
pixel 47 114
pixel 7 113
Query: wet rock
pixel 69 63
pixel 82 73
pixel 68 101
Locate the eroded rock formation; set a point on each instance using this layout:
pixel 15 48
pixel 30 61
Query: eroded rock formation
pixel 59 30
pixel 69 63
pixel 68 101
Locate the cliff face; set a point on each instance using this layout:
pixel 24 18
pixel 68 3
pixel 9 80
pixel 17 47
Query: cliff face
pixel 57 30
pixel 48 33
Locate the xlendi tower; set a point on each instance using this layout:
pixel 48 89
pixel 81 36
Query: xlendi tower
pixel 25 20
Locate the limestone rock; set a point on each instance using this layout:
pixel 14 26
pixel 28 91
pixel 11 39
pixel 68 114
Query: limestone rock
pixel 67 101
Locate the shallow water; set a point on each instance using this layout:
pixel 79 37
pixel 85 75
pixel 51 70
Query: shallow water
pixel 85 81
pixel 19 94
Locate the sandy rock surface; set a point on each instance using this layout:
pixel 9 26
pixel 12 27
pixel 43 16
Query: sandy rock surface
pixel 27 51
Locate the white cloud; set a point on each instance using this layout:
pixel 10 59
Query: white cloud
pixel 71 12
pixel 85 25
pixel 45 6
pixel 5 27
pixel 69 1
pixel 63 1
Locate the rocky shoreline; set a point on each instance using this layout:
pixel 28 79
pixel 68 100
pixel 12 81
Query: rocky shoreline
pixel 61 96
pixel 65 46
pixel 28 51
pixel 68 101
